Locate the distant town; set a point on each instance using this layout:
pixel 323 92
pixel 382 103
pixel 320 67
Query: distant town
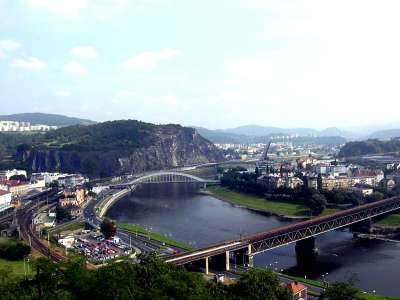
pixel 14 126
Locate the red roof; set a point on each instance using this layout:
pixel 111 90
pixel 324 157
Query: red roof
pixel 13 182
pixel 296 287
pixel 2 192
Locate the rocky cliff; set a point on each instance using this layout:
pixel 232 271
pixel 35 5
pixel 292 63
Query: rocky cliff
pixel 117 147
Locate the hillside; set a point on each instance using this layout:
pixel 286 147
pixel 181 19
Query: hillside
pixel 46 119
pixel 385 134
pixel 113 148
pixel 369 147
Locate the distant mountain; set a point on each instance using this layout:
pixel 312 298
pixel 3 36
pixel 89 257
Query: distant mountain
pixel 385 134
pixel 257 130
pixel 223 137
pixel 46 119
pixel 262 134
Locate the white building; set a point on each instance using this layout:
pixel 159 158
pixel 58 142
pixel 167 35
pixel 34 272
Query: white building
pixel 5 200
pixel 67 241
pixel 23 126
pixel 7 174
pixel 71 181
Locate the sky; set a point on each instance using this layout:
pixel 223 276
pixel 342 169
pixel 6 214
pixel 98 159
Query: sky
pixel 216 64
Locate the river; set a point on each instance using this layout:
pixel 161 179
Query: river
pixel 182 213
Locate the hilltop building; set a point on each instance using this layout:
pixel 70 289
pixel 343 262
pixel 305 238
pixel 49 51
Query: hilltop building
pixel 15 126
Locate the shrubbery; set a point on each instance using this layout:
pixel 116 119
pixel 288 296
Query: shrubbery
pixel 12 250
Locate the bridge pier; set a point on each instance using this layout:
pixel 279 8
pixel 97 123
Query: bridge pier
pixel 207 270
pixel 306 253
pixel 227 266
pixel 362 227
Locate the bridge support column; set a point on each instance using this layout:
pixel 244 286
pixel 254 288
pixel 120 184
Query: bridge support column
pixel 250 256
pixel 362 227
pixel 306 253
pixel 227 266
pixel 207 270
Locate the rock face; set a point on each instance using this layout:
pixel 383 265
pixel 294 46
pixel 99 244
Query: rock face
pixel 163 147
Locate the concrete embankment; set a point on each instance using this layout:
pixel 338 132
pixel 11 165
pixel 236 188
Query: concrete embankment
pixel 102 207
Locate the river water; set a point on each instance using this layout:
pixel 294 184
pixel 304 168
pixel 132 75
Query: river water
pixel 182 213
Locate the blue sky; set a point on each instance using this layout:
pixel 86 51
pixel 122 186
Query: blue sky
pixel 215 64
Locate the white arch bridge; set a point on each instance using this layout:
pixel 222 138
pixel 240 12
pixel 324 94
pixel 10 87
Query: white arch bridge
pixel 163 177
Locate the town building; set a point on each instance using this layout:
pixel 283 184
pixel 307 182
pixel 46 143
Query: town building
pixel 363 189
pixel 20 188
pixel 5 200
pixel 276 181
pixel 71 180
pixel 298 290
pixel 16 126
pixel 7 174
pixel 388 184
pixel 329 183
pixel 67 241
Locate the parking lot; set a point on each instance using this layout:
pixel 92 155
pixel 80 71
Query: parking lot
pixel 97 249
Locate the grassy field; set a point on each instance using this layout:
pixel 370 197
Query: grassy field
pixel 155 236
pixel 258 203
pixel 391 220
pixel 16 267
pixel 70 227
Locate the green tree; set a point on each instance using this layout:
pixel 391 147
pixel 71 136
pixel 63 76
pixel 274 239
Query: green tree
pixel 108 228
pixel 317 203
pixel 259 285
pixel 375 196
pixel 339 291
pixel 62 213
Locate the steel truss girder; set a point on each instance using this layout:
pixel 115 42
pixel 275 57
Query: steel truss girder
pixel 316 229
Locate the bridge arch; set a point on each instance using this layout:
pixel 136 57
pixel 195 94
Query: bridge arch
pixel 168 176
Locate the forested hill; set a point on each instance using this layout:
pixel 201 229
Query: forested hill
pixel 46 119
pixel 113 148
pixel 369 147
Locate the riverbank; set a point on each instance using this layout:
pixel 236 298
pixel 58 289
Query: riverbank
pixel 390 220
pixel 319 284
pixel 154 235
pixel 277 208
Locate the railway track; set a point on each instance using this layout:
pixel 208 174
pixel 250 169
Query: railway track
pixel 27 234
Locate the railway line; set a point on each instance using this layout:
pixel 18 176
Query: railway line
pixel 25 217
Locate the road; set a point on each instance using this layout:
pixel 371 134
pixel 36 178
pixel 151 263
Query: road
pixel 144 244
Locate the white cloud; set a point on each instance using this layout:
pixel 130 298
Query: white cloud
pixel 31 63
pixel 9 45
pixel 70 9
pixel 74 67
pixel 149 60
pixel 125 94
pixel 84 52
pixel 62 93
